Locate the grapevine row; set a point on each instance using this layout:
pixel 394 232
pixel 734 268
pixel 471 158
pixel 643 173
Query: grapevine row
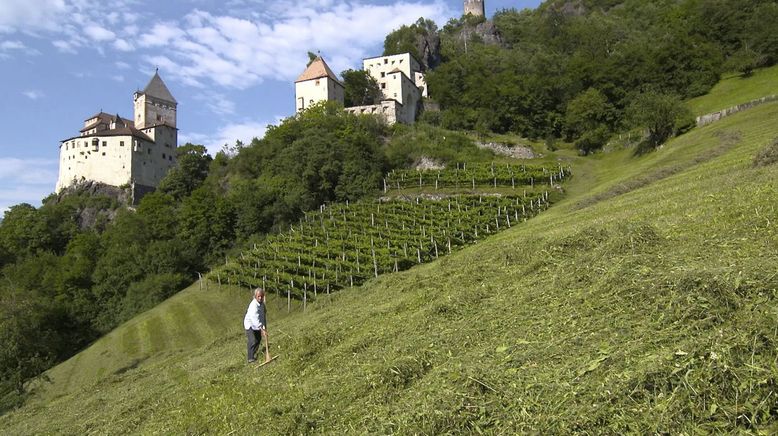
pixel 343 245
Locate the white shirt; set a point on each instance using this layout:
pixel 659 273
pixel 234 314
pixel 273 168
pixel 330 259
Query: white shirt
pixel 251 320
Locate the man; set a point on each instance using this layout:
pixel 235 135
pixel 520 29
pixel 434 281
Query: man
pixel 254 323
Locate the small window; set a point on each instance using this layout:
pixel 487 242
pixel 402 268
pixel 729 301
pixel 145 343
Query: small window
pixel 103 153
pixel 105 143
pixel 170 158
pixel 149 151
pixel 386 61
pixel 121 143
pixel 163 155
pixel 383 74
pixel 317 82
pixel 383 86
pixel 392 62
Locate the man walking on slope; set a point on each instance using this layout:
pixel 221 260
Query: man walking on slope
pixel 254 323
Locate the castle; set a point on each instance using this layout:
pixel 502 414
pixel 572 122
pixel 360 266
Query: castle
pixel 474 8
pixel 117 151
pixel 398 76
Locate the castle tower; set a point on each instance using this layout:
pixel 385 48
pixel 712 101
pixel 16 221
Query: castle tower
pixel 315 84
pixel 154 105
pixel 475 8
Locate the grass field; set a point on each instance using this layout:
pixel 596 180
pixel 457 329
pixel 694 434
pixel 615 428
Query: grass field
pixel 736 89
pixel 644 302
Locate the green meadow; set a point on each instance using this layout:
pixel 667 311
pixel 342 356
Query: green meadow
pixel 645 301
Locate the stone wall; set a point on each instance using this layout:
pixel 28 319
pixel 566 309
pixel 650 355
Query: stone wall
pixel 715 116
pixel 387 110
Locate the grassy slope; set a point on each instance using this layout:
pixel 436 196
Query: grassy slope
pixel 652 310
pixel 735 89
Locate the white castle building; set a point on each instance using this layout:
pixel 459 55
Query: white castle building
pixel 117 151
pixel 474 8
pixel 399 77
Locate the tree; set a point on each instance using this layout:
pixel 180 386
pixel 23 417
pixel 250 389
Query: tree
pixel 361 88
pixel 661 114
pixel 406 38
pixel 744 61
pixel 27 347
pixel 192 162
pixel 588 111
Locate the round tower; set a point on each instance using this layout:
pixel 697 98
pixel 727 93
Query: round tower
pixel 475 8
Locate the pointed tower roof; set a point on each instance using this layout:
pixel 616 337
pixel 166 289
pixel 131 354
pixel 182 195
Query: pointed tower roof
pixel 316 70
pixel 156 88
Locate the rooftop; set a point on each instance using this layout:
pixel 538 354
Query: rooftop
pixel 316 70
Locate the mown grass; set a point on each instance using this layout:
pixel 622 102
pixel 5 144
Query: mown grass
pixel 650 310
pixel 736 89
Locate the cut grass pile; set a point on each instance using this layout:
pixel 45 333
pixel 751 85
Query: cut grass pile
pixel 650 310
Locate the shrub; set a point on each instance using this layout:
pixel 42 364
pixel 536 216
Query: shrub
pixel 768 155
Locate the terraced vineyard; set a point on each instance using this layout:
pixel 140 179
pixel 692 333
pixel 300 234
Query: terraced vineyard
pixel 343 245
pixel 477 175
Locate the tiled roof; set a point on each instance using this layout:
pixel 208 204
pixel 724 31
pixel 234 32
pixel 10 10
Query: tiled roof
pixel 316 70
pixel 104 118
pixel 156 88
pixel 126 130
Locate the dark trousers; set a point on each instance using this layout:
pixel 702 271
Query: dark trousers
pixel 253 338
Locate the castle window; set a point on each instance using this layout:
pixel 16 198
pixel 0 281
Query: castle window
pixel 149 151
pixel 317 82
pixel 121 143
pixel 383 85
pixel 163 155
pixel 386 61
pixel 105 143
pixel 103 153
pixel 383 74
pixel 170 158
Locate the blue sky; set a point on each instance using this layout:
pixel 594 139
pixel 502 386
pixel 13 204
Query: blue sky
pixel 230 64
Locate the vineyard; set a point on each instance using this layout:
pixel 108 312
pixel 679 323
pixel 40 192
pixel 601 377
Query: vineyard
pixel 343 245
pixel 477 175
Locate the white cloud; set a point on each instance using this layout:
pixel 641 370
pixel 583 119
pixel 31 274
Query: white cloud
pixel 33 94
pixel 217 103
pixel 30 15
pixel 242 52
pixel 160 34
pixel 122 65
pixel 98 33
pixel 64 46
pixel 227 135
pixel 11 45
pixel 123 45
pixel 25 181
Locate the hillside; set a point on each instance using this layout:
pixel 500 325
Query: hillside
pixel 645 301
